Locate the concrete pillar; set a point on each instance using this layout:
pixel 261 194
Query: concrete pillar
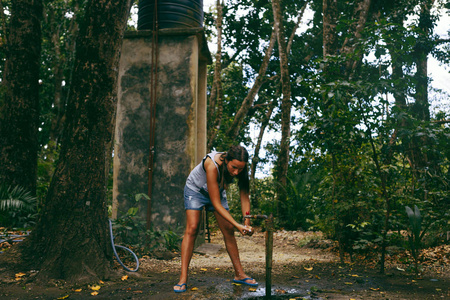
pixel 180 140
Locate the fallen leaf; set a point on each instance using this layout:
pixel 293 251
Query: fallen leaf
pixel 125 277
pixel 138 292
pixel 95 287
pixel 238 284
pixel 438 290
pixel 101 282
pixel 295 277
pixel 20 274
pixel 63 297
pixel 355 275
pixel 348 282
pixel 194 289
pixel 77 290
pixel 217 269
pixel 165 271
pixel 94 293
pixel 280 291
pixel 252 290
pixel 400 269
pixel 203 269
pixel 308 269
pixel 375 289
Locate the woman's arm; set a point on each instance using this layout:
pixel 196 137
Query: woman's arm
pixel 214 194
pixel 245 205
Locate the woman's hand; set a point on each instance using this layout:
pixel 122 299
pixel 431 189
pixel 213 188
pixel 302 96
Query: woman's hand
pixel 246 230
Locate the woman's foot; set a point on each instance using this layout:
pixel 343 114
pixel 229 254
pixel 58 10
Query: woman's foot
pixel 180 288
pixel 246 280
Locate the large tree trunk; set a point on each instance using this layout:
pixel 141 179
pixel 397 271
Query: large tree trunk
pixel 421 109
pixel 283 157
pixel 19 108
pixel 71 239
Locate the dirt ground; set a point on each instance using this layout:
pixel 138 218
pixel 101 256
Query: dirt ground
pixel 298 272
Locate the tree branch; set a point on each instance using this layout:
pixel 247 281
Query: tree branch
pixel 248 101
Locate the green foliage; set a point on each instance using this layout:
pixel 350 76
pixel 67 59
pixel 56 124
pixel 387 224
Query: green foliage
pixel 17 207
pixel 416 234
pixel 46 166
pixel 366 160
pixel 357 157
pixel 262 198
pixel 131 230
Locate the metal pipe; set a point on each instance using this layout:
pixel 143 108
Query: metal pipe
pixel 269 252
pixel 153 95
pixel 269 249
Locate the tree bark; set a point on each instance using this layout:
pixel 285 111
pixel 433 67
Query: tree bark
pixel 216 97
pixel 19 108
pixel 273 104
pixel 349 47
pixel 283 157
pixel 421 109
pixel 71 240
pixel 330 16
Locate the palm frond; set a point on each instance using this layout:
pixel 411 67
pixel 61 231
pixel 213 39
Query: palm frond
pixel 17 197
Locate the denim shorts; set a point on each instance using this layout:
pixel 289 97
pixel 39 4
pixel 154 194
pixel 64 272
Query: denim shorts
pixel 195 200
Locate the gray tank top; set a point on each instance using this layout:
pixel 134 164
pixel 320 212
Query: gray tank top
pixel 196 180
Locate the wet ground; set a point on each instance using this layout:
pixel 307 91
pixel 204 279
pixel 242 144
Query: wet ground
pixel 298 273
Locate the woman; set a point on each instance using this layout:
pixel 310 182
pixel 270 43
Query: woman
pixel 205 187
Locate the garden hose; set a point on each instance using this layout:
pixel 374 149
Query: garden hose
pixel 124 248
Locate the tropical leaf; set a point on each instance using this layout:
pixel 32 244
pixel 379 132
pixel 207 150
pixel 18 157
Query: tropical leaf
pixel 16 198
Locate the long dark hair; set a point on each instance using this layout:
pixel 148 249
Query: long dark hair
pixel 239 153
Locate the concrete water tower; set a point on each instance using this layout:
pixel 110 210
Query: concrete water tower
pixel 161 114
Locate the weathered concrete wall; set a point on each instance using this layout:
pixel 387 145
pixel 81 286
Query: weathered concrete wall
pixel 180 122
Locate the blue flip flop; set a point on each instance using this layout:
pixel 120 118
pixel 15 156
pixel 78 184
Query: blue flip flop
pixel 244 281
pixel 180 285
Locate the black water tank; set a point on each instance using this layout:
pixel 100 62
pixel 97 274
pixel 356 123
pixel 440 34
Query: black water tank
pixel 171 14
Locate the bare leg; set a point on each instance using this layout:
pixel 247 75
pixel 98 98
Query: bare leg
pixel 232 249
pixel 187 245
